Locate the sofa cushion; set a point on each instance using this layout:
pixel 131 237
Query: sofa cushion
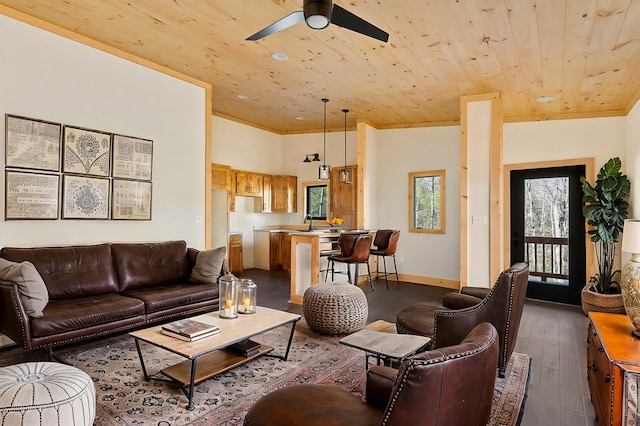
pixel 84 312
pixel 70 272
pixel 166 297
pixel 33 292
pixel 209 266
pixel 142 265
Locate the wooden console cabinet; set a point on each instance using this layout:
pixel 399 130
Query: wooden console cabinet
pixel 613 367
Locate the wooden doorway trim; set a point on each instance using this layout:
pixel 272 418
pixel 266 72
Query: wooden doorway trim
pixel 589 174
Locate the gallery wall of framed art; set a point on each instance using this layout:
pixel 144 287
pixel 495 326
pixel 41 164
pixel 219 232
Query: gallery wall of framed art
pixel 54 170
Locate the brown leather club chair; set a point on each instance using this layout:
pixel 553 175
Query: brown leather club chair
pixel 353 251
pixel 385 245
pixel 459 312
pixel 450 386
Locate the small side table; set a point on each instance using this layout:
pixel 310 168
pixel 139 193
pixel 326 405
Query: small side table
pixel 385 347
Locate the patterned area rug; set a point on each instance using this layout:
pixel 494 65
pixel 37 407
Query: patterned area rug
pixel 125 398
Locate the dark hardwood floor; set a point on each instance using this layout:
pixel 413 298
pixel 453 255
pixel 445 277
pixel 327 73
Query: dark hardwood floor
pixel 554 335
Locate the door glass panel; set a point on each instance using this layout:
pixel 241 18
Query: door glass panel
pixel 546 229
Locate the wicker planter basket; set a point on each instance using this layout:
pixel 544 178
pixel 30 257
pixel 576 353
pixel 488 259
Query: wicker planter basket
pixel 598 302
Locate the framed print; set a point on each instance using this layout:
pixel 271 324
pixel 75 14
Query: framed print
pixel 86 151
pixel 85 197
pixel 31 195
pixel 132 157
pixel 31 143
pixel 131 200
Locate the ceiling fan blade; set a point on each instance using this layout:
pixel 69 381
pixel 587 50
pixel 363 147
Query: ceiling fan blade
pixel 345 19
pixel 280 25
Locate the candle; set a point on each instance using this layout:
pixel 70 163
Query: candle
pixel 245 302
pixel 228 304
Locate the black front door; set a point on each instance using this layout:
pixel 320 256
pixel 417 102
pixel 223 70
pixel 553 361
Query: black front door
pixel 548 231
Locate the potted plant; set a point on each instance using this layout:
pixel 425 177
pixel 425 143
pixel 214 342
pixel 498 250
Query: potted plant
pixel 605 208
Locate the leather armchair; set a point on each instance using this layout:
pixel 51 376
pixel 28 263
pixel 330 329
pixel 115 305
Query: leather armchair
pixel 448 322
pixel 450 386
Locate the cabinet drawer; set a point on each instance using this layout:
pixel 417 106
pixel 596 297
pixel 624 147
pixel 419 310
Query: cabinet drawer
pixel 600 375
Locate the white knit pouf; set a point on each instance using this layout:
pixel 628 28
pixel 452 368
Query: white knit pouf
pixel 46 393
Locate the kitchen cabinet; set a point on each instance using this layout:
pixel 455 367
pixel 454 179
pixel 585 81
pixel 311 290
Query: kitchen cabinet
pixel 220 176
pixel 612 367
pixel 266 193
pixel 223 177
pixel 248 184
pixel 285 251
pixel 279 194
pixel 275 250
pixel 292 188
pixel 267 249
pixel 344 197
pixel 235 253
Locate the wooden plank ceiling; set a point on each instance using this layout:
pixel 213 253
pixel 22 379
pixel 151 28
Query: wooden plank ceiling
pixel 583 53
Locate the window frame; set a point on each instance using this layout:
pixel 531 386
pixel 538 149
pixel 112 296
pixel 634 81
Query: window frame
pixel 305 191
pixel 442 212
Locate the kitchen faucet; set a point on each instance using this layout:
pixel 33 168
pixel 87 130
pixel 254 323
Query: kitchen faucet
pixel 308 216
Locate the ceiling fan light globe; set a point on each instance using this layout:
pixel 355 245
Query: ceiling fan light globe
pixel 317 13
pixel 317 22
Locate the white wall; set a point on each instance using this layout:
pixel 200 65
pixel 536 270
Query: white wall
pixel 478 253
pixel 411 150
pixel 633 159
pixel 534 141
pixel 48 77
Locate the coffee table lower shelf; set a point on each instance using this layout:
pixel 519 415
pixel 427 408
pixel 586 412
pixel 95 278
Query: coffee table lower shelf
pixel 209 365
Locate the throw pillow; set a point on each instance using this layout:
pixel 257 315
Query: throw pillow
pixel 209 266
pixel 31 288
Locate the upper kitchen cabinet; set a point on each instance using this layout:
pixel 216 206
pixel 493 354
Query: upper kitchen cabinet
pixel 267 183
pixel 344 196
pixel 280 194
pixel 248 184
pixel 292 188
pixel 220 176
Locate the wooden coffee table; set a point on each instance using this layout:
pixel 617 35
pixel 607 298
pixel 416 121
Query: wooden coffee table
pixel 208 357
pixel 385 346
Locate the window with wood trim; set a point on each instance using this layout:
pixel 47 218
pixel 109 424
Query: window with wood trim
pixel 427 202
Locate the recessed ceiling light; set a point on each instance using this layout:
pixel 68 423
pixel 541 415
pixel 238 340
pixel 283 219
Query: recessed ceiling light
pixel 545 99
pixel 280 57
pixel 299 117
pixel 243 96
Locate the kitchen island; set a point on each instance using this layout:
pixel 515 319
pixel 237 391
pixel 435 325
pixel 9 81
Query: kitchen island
pixel 301 257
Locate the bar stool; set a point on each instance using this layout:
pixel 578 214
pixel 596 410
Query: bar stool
pixel 354 251
pixel 386 243
pixel 343 247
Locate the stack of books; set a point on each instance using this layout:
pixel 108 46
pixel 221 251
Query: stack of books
pixel 247 348
pixel 189 330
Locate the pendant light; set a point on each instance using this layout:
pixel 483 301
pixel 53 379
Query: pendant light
pixel 345 174
pixel 324 172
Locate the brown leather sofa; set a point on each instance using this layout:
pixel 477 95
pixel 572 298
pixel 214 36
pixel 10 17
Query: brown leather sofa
pixel 500 305
pixel 450 386
pixel 99 289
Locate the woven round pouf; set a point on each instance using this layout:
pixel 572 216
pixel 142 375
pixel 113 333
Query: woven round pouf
pixel 335 308
pixel 46 393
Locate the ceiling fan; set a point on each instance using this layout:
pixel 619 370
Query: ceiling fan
pixel 318 14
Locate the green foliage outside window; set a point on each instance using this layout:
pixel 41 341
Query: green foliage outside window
pixel 426 201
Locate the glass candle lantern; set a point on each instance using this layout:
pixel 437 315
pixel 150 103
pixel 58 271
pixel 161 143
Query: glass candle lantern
pixel 247 297
pixel 228 286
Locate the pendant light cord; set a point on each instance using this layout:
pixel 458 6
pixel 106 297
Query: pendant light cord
pixel 345 140
pixel 324 155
